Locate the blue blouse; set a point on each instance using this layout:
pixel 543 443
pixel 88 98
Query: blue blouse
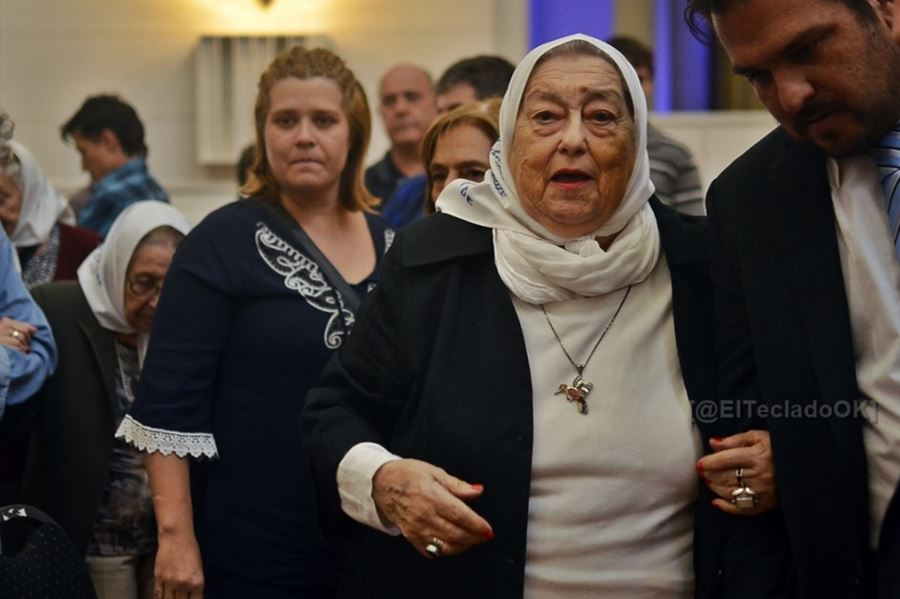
pixel 245 324
pixel 115 192
pixel 22 375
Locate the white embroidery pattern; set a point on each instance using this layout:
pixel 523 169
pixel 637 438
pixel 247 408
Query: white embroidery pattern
pixel 149 439
pixel 388 239
pixel 303 276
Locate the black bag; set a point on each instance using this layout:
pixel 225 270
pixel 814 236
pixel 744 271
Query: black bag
pixel 45 564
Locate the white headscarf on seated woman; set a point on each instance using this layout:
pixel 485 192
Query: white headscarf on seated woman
pixel 42 205
pixel 537 265
pixel 102 275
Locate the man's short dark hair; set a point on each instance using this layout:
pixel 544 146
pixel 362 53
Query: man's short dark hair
pixel 698 14
pixel 108 112
pixel 635 52
pixel 487 75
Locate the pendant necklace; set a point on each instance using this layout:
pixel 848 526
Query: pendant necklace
pixel 580 388
pixel 126 380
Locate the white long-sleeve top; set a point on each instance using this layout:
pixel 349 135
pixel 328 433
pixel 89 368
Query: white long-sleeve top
pixel 612 491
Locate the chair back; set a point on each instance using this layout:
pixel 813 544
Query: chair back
pixel 37 558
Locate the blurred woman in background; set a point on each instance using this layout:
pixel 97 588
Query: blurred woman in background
pixel 38 222
pixel 456 146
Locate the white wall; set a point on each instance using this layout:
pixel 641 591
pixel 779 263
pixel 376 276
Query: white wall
pixel 716 138
pixel 54 53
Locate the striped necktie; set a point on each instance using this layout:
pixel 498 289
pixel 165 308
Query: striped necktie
pixel 887 158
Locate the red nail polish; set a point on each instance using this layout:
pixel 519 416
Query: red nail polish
pixel 716 439
pixel 716 505
pixel 489 535
pixel 478 488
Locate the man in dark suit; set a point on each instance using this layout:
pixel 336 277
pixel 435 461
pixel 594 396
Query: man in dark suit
pixel 808 301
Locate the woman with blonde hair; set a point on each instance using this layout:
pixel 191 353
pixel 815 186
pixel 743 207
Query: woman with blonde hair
pixel 258 297
pixel 456 146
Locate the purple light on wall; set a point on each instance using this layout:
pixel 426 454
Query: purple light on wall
pixel 551 19
pixel 684 66
pixel 662 54
pixel 694 86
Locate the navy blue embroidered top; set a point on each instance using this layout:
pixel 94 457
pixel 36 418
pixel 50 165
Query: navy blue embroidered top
pixel 245 325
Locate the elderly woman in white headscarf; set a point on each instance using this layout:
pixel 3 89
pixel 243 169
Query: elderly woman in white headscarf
pixel 514 403
pixel 94 486
pixel 37 219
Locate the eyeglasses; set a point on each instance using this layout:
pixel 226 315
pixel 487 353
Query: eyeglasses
pixel 145 287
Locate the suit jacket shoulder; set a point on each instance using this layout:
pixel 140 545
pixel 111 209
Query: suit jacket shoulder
pixel 441 238
pixel 62 299
pixel 760 156
pixel 769 166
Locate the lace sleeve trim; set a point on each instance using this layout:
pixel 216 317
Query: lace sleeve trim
pixel 167 442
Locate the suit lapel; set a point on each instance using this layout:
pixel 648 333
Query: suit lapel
pixel 803 213
pixel 103 344
pixel 684 245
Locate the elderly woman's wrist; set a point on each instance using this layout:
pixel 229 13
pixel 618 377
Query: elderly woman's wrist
pixel 381 484
pixel 356 483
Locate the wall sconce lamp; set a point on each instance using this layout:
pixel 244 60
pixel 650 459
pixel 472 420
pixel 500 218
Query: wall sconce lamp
pixel 265 3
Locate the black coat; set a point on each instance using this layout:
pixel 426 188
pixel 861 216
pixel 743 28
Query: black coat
pixel 436 369
pixel 72 441
pixel 784 339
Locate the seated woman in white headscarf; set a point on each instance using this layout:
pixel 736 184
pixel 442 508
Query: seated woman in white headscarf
pixel 514 403
pixel 39 224
pixel 93 485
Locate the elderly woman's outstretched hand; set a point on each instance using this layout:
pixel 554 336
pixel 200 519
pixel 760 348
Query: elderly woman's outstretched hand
pixel 428 506
pixel 751 453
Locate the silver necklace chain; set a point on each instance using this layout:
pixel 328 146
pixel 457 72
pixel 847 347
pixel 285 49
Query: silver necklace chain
pixel 580 367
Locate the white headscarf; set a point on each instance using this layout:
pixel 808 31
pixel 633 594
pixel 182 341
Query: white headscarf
pixel 102 274
pixel 42 205
pixel 536 265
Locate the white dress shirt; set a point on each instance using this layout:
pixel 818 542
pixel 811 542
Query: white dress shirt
pixel 872 280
